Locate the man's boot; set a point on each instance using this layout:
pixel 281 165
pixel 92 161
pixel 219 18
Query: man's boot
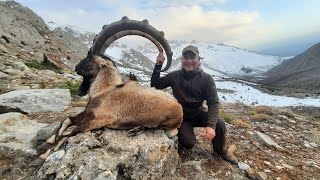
pixel 227 156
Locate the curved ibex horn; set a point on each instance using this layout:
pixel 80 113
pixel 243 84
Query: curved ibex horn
pixel 125 27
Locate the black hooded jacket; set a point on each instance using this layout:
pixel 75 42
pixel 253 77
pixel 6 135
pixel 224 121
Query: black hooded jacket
pixel 190 89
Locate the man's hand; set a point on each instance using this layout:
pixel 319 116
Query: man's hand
pixel 160 59
pixel 209 133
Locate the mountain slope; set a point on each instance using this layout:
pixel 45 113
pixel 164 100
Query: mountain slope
pixel 24 32
pixel 218 59
pixel 301 72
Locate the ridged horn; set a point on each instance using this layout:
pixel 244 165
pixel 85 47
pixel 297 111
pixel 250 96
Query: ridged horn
pixel 125 27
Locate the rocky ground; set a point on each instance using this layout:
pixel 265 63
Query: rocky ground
pixel 269 143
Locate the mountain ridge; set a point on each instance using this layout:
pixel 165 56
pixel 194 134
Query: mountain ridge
pixel 302 72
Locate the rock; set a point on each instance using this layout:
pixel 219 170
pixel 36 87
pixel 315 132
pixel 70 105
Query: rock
pixel 110 154
pixel 14 72
pixel 265 139
pixel 72 77
pixel 16 134
pixel 232 148
pixel 46 132
pixel 306 144
pixel 287 166
pixel 262 176
pixel 56 156
pixel 3 75
pixel 243 166
pixel 37 100
pixel 195 169
pixel 313 145
pixel 20 87
pixel 7 109
pixel 21 66
pixel 251 173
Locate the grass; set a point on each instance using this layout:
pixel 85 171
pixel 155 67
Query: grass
pixel 316 120
pixel 260 117
pixel 226 116
pixel 263 110
pixel 240 123
pixel 73 86
pixel 45 65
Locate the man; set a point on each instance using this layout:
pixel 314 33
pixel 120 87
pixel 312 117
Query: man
pixel 191 86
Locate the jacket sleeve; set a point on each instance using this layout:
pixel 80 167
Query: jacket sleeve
pixel 157 81
pixel 211 96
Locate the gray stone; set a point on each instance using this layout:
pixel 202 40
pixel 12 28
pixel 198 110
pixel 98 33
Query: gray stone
pixel 265 139
pixel 44 133
pixel 3 75
pixel 243 166
pixel 7 109
pixel 16 134
pixel 56 156
pixel 20 87
pixel 21 66
pixel 72 77
pixel 262 175
pixel 110 154
pixel 313 145
pixel 14 72
pixel 37 100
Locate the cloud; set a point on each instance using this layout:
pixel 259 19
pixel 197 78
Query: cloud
pixel 191 20
pixel 195 23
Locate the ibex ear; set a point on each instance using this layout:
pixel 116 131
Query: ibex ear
pixel 103 65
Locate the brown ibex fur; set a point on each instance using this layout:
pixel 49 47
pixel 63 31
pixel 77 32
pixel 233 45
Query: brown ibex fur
pixel 116 104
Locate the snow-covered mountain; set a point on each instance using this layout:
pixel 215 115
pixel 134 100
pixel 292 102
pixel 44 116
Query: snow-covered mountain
pixel 218 59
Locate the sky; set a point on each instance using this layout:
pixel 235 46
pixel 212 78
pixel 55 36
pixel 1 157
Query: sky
pixel 275 27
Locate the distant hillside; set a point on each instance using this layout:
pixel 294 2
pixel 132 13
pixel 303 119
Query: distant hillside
pixel 24 32
pixel 301 72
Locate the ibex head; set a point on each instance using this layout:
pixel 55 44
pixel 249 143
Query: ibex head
pixel 114 31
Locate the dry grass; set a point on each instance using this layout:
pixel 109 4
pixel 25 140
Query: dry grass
pixel 264 110
pixel 240 123
pixel 260 117
pixel 286 112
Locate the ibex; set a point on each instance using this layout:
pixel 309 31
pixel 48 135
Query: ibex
pixel 118 104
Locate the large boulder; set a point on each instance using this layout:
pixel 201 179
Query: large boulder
pixel 37 100
pixel 16 135
pixel 110 154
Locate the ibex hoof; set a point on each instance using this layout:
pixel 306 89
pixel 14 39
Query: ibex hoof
pixel 135 131
pixel 171 133
pixel 52 139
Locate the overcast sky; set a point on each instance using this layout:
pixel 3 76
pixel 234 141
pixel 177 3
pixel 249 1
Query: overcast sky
pixel 252 24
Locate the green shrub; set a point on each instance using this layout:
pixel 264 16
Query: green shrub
pixel 227 117
pixel 73 86
pixel 252 113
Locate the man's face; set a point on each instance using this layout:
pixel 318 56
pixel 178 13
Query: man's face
pixel 190 61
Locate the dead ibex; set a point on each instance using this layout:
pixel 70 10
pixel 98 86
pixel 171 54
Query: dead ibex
pixel 118 104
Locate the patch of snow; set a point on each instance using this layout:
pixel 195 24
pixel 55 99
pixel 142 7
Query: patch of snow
pixel 249 95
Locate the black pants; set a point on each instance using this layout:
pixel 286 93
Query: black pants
pixel 187 138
